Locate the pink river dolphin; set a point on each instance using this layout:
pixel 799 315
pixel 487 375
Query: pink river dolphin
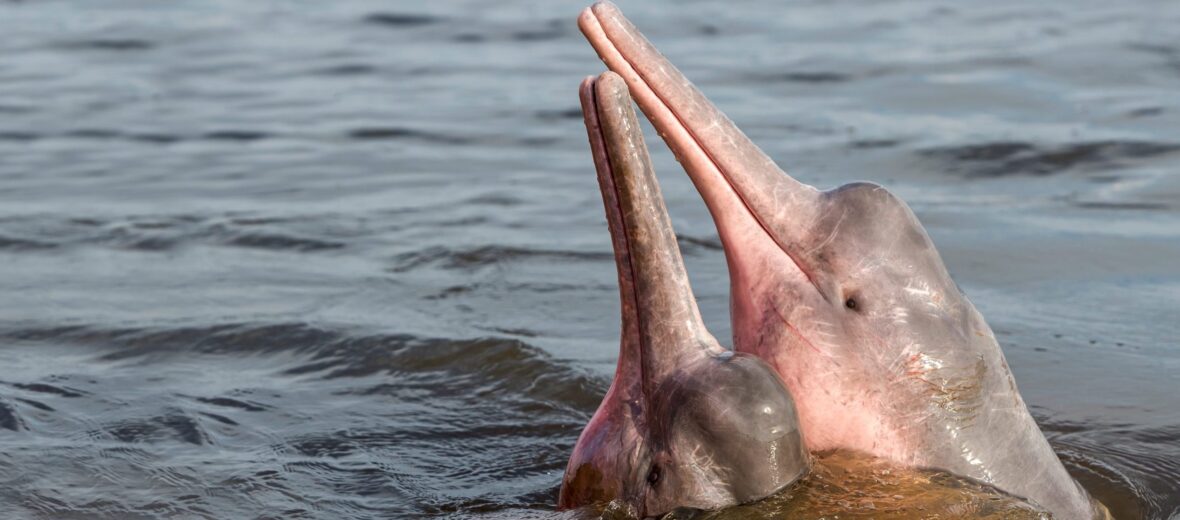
pixel 843 293
pixel 685 422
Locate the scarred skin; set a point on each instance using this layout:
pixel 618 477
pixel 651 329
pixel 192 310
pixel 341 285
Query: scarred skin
pixel 685 423
pixel 844 294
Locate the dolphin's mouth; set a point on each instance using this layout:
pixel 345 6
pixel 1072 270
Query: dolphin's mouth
pixel 725 165
pixel 661 322
pixel 600 151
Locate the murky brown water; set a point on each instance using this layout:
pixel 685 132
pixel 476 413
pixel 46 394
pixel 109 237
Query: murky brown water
pixel 348 259
pixel 850 486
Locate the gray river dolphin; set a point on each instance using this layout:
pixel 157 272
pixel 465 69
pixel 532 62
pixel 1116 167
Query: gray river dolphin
pixel 685 422
pixel 844 294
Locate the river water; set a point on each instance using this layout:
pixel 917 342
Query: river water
pixel 348 259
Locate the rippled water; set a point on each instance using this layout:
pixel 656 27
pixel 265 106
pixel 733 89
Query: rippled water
pixel 348 259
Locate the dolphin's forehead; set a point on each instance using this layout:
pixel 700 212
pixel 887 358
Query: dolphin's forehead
pixel 865 221
pixel 735 396
pixel 733 433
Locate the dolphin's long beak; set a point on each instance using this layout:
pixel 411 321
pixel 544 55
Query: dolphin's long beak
pixel 662 326
pixel 743 188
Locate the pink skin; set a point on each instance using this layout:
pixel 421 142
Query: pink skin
pixel 843 293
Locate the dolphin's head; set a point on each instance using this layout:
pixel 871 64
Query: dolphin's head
pixel 685 422
pixel 841 291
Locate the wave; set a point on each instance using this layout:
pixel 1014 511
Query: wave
pixel 294 416
pixel 401 19
pixel 482 256
pixel 165 233
pixel 1006 158
pixel 1133 470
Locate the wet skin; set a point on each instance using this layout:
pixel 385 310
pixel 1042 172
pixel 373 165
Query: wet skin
pixel 843 293
pixel 685 423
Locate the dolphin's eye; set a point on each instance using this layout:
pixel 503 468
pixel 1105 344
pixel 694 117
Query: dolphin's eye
pixel 850 303
pixel 653 476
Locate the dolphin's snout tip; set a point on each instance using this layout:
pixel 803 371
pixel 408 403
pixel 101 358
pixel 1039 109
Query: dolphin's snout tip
pixel 586 17
pixel 608 87
pixel 612 85
pixel 604 7
pixel 590 16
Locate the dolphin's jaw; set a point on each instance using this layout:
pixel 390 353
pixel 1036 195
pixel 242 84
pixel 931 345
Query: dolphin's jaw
pixel 662 325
